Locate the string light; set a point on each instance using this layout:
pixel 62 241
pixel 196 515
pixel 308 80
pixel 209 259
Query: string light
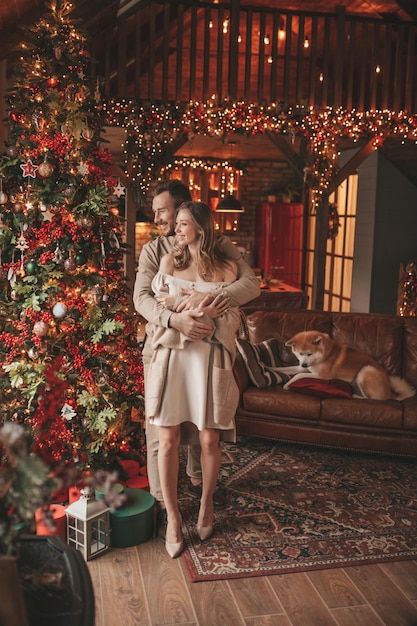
pixel 152 129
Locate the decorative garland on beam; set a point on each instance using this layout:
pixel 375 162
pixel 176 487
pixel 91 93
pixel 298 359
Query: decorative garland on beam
pixel 152 129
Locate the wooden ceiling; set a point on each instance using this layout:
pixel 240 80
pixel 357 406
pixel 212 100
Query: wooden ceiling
pixel 96 15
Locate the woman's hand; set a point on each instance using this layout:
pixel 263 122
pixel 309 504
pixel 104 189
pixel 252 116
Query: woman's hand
pixel 195 298
pixel 167 301
pixel 216 307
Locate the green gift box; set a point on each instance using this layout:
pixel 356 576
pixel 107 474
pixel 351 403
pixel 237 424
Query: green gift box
pixel 133 523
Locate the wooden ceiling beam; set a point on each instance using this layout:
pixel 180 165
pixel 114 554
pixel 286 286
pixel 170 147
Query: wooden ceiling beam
pixel 409 7
pixel 291 156
pixel 351 166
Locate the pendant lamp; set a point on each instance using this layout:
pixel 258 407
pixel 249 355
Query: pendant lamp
pixel 230 204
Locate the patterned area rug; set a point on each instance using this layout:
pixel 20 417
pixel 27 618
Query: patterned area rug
pixel 283 508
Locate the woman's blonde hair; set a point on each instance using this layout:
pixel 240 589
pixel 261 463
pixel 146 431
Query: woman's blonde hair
pixel 209 256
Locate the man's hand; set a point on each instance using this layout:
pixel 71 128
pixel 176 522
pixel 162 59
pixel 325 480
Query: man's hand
pixel 194 299
pixel 188 324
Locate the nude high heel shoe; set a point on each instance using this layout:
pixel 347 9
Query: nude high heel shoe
pixel 204 532
pixel 174 549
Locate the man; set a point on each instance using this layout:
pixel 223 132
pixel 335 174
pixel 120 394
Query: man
pixel 168 196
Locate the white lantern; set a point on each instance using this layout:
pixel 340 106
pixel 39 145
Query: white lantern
pixel 88 525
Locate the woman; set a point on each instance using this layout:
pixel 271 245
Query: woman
pixel 191 382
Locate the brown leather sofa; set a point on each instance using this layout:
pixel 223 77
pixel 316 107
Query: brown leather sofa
pixel 384 426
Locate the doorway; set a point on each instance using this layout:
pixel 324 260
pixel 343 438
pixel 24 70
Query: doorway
pixel 339 248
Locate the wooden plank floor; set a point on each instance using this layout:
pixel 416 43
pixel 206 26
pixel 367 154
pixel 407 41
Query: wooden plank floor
pixel 143 586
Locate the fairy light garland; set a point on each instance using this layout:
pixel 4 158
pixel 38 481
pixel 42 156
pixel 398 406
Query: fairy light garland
pixel 153 127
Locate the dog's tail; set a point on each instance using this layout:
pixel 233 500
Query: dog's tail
pixel 401 388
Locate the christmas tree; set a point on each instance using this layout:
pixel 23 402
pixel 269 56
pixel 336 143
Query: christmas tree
pixel 407 297
pixel 64 297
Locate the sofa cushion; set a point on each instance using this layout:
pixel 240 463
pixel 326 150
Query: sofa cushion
pixel 322 388
pixel 378 414
pixel 260 360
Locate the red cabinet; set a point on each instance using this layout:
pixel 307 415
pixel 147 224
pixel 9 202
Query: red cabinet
pixel 280 241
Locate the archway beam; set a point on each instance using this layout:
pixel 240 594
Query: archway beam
pixel 351 166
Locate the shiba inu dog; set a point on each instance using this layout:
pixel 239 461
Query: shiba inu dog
pixel 324 358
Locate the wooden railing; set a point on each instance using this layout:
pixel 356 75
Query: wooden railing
pixel 180 51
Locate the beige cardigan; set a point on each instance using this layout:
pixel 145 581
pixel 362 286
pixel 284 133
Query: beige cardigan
pixel 225 390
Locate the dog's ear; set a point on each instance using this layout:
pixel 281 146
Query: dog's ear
pixel 317 340
pixel 290 343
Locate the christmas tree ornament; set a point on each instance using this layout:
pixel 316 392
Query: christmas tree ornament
pixel 66 130
pixel 119 190
pixel 94 295
pixel 68 412
pixel 15 296
pixel 38 120
pixel 81 258
pixel 101 379
pixel 12 152
pixel 22 244
pixel 18 207
pixel 97 94
pixel 58 52
pixel 33 353
pixel 17 116
pixel 113 240
pixel 32 267
pixel 29 169
pixel 3 198
pixel 82 169
pixel 69 192
pixel 41 328
pixel 59 310
pixel 88 134
pixel 70 264
pixel 58 255
pixel 45 169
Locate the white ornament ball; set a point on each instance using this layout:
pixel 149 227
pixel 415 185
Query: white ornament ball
pixel 59 310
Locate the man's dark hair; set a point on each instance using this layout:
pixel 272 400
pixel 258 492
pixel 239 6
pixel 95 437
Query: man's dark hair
pixel 176 189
